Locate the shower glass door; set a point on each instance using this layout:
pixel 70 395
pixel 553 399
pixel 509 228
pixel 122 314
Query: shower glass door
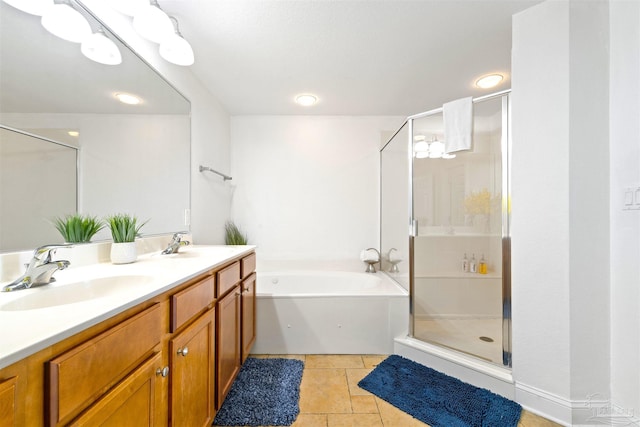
pixel 460 290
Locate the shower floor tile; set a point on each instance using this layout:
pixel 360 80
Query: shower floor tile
pixel 464 335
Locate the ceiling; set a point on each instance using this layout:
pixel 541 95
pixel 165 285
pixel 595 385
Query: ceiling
pixel 364 57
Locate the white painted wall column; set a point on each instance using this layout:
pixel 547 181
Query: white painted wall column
pixel 560 258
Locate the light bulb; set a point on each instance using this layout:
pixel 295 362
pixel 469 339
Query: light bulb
pixel 99 48
pixel 153 24
pixel 489 81
pixel 177 50
pixel 65 22
pixel 306 100
pixel 33 7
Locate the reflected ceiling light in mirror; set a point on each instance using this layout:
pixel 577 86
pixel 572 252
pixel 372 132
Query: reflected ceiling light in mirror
pixel 65 22
pixel 128 7
pixel 127 98
pixel 306 99
pixel 489 81
pixel 33 7
pixel 420 147
pixel 175 48
pixel 152 23
pixel 100 48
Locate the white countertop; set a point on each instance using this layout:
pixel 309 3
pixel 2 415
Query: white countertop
pixel 81 297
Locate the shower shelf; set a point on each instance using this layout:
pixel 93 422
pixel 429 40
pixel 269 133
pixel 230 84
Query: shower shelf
pixel 458 275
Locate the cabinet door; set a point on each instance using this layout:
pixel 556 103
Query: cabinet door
pixel 133 402
pixel 228 343
pixel 248 315
pixel 192 374
pixel 8 402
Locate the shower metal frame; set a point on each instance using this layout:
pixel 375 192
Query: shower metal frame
pixel 506 215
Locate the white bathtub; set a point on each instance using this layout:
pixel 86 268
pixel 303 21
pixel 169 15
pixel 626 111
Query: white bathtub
pixel 327 312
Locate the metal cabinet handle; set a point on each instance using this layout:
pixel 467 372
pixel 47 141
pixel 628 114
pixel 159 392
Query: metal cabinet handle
pixel 246 289
pixel 183 351
pixel 163 372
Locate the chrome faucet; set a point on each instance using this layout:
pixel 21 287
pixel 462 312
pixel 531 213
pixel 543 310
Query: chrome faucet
pixel 370 266
pixel 175 244
pixel 40 269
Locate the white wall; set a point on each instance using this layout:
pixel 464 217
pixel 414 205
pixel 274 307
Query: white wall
pixel 210 132
pixel 306 187
pixel 625 225
pixel 560 257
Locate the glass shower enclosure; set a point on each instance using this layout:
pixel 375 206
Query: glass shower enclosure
pixel 445 230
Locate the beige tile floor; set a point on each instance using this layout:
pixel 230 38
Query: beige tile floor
pixel 330 396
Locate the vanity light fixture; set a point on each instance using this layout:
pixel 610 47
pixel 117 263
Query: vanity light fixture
pixel 489 81
pixel 63 21
pixel 32 7
pixel 420 147
pixel 153 23
pixel 175 48
pixel 100 48
pixel 126 98
pixel 306 99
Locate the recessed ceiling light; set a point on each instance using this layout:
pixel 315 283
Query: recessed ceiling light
pixel 128 99
pixel 489 81
pixel 306 100
pixel 73 133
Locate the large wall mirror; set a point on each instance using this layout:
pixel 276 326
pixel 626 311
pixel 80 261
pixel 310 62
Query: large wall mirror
pixel 67 144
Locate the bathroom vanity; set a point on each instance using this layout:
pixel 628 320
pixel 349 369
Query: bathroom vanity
pixel 162 346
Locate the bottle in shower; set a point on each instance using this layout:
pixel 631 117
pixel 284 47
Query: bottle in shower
pixel 465 263
pixel 482 265
pixel 473 265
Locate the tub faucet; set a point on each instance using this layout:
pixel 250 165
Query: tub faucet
pixel 175 244
pixel 40 269
pixel 371 262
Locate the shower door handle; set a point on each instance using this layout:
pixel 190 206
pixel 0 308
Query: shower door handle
pixel 413 229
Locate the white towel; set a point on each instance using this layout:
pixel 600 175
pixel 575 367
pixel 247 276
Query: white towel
pixel 458 124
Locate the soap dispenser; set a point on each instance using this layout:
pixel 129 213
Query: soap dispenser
pixel 473 265
pixel 482 266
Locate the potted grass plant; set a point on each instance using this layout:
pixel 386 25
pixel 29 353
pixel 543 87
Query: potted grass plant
pixel 233 235
pixel 78 228
pixel 124 230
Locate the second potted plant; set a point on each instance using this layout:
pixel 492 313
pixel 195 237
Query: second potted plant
pixel 124 230
pixel 78 228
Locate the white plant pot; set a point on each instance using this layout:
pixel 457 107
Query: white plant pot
pixel 123 253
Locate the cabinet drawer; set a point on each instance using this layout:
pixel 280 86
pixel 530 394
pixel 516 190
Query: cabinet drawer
pixel 227 278
pixel 191 301
pixel 80 376
pixel 248 265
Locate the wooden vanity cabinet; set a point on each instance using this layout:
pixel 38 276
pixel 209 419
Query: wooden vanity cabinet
pixel 82 375
pixel 170 360
pixel 248 309
pixel 228 323
pixel 8 404
pixel 135 401
pixel 192 362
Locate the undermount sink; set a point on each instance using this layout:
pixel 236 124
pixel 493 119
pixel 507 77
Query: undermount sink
pixel 63 294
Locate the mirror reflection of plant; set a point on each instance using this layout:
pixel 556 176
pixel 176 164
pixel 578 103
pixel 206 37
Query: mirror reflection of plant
pixel 233 234
pixel 124 227
pixel 78 228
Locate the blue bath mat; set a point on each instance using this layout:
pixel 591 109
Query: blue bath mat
pixel 265 393
pixel 438 399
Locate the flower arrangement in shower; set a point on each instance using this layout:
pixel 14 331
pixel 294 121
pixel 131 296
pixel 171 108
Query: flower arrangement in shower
pixel 481 202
